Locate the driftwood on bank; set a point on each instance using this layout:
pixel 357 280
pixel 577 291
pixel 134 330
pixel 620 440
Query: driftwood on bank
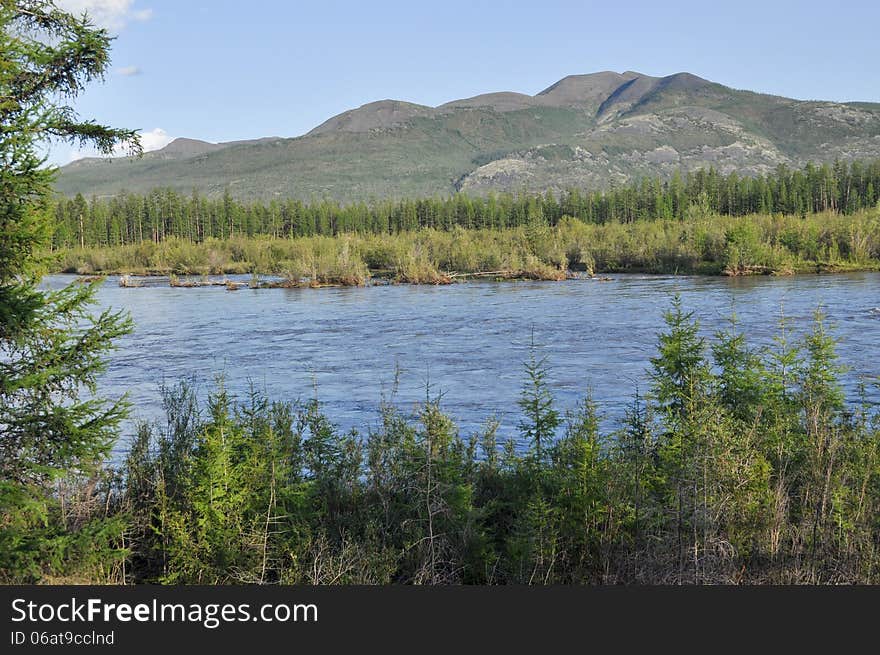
pixel 548 275
pixel 177 283
pixel 436 278
pixel 553 274
pixel 127 282
pixel 481 274
pixel 742 270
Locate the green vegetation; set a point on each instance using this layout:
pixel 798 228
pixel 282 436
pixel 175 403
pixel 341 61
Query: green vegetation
pixel 817 219
pixel 586 131
pixel 130 219
pixel 52 443
pixel 740 466
pixel 713 245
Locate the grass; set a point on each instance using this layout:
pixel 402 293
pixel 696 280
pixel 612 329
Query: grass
pixel 711 245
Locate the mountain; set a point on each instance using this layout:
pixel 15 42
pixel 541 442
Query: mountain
pixel 583 131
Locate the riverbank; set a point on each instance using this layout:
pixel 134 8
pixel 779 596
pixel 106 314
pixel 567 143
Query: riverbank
pixel 714 245
pixel 739 462
pixel 351 339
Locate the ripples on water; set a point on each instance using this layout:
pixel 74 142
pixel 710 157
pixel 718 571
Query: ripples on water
pixel 468 340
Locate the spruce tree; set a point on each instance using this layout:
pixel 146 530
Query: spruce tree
pixel 540 420
pixel 50 347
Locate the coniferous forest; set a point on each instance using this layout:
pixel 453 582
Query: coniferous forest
pixel 131 219
pixel 819 219
pixel 737 464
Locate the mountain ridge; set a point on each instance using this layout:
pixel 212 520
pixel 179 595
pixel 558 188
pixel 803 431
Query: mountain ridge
pixel 586 130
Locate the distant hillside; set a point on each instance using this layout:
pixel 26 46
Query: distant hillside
pixel 582 131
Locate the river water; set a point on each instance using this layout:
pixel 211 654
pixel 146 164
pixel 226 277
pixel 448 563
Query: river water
pixel 468 341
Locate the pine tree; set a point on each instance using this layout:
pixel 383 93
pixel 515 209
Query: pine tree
pixel 680 370
pixel 50 349
pixel 682 384
pixel 540 419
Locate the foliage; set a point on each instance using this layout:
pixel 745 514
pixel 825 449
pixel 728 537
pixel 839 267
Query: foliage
pixel 777 245
pixel 740 466
pixel 694 198
pixel 51 350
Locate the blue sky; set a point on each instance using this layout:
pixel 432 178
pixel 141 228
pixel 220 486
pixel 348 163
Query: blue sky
pixel 227 70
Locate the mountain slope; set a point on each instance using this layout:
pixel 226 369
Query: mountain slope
pixel 584 130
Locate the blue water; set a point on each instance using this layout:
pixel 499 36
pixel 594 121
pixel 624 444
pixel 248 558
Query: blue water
pixel 469 341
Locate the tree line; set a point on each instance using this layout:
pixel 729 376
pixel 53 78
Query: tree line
pixel 711 245
pixel 163 213
pixel 741 465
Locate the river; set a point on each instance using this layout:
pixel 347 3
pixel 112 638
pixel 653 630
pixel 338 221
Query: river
pixel 468 341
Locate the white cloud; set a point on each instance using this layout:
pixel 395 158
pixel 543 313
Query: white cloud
pixel 112 14
pixel 154 139
pixel 129 71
